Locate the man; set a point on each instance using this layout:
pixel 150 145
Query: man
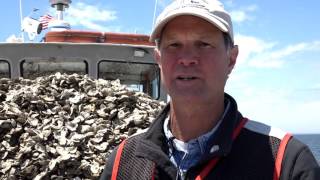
pixel 201 134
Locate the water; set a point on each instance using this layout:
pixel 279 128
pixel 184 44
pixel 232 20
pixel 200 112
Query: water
pixel 313 141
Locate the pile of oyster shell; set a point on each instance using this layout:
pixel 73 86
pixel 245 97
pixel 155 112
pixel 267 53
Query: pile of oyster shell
pixel 65 126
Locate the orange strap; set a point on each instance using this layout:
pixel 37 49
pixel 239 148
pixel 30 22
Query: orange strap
pixel 117 161
pixel 212 163
pixel 153 172
pixel 280 154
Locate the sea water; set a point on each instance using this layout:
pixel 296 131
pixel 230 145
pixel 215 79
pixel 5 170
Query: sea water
pixel 313 141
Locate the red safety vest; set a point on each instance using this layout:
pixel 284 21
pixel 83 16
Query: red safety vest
pixel 212 163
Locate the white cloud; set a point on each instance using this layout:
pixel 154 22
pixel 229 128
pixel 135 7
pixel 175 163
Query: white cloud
pixel 293 109
pixel 13 39
pixel 278 107
pixel 259 53
pixel 265 61
pixel 239 16
pixel 289 50
pixel 315 46
pixel 89 16
pixel 316 87
pixel 277 58
pixel 250 46
pixel 82 10
pixel 95 26
pixel 251 8
pixel 243 14
pixel 229 3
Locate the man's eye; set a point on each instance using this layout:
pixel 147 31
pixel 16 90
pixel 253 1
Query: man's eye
pixel 173 45
pixel 204 45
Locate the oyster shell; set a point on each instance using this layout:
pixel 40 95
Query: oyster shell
pixel 65 126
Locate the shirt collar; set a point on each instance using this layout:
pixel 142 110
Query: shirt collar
pixel 200 141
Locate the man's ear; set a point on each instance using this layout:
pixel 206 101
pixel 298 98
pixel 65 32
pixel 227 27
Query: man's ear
pixel 157 56
pixel 233 54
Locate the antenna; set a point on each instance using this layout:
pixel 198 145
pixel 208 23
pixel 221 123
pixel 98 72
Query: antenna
pixel 154 13
pixel 59 24
pixel 22 33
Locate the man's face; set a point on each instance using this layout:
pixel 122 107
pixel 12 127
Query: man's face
pixel 193 59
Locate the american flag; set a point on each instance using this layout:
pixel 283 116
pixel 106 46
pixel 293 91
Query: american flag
pixel 44 20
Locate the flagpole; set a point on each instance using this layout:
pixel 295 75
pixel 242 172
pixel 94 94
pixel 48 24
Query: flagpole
pixel 154 13
pixel 22 33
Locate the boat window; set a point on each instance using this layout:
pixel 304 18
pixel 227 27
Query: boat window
pixel 4 69
pixel 32 69
pixel 143 77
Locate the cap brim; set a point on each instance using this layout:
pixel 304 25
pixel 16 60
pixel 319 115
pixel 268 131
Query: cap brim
pixel 208 17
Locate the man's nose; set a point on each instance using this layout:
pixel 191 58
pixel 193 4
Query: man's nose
pixel 188 57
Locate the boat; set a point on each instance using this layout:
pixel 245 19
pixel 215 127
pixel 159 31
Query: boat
pixel 106 55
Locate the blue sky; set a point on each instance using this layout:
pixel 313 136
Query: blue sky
pixel 277 76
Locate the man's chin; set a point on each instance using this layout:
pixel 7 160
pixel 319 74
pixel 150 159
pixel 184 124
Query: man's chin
pixel 188 97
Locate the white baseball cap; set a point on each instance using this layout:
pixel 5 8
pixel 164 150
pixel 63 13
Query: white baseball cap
pixel 209 10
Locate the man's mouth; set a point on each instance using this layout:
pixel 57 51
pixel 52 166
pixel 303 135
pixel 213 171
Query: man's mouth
pixel 186 78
